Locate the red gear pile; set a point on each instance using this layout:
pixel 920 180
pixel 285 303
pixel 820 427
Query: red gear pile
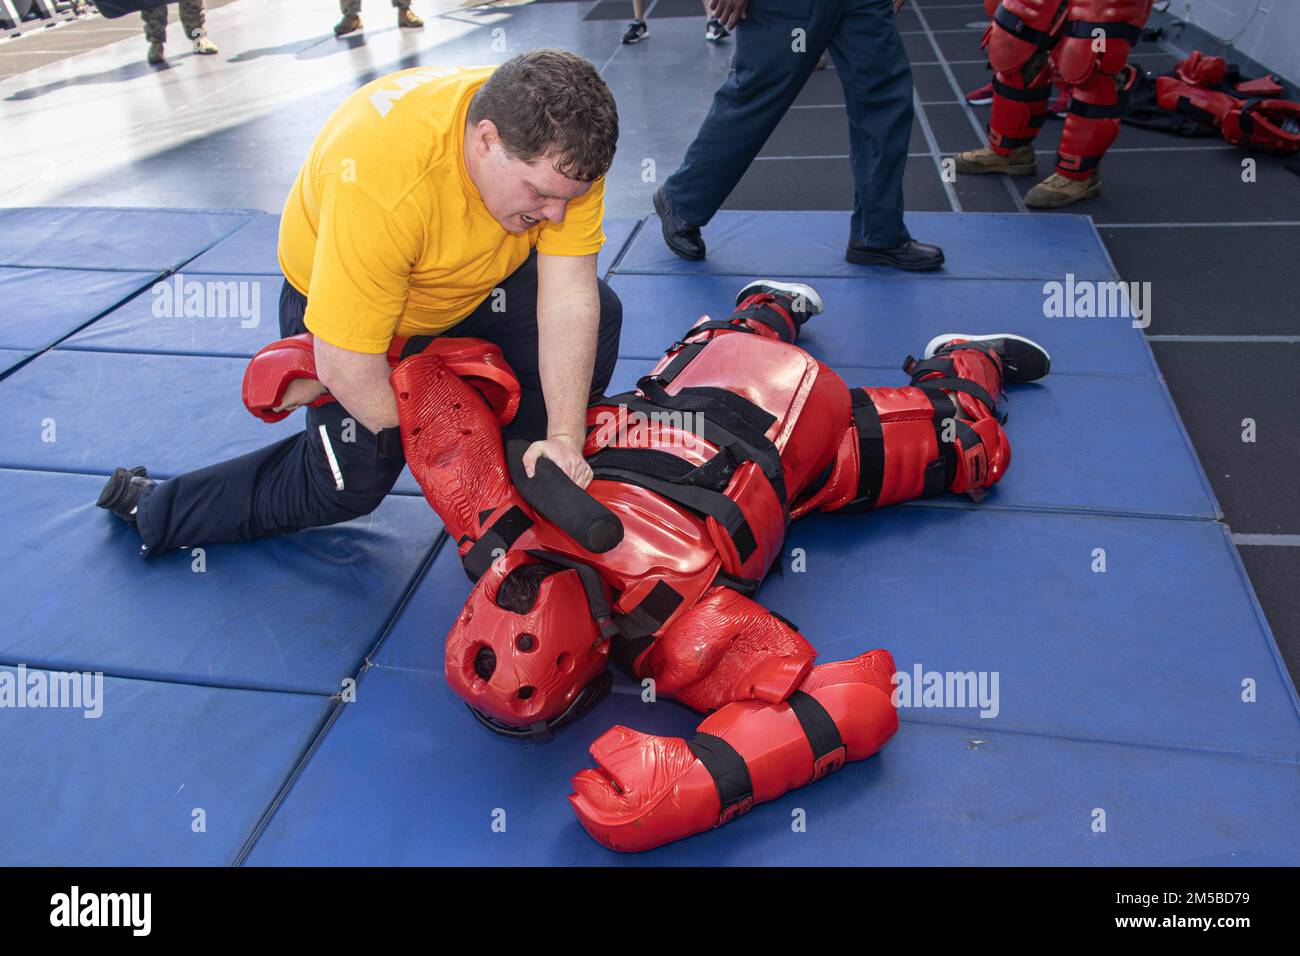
pixel 1250 113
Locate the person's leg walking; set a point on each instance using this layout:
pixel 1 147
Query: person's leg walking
pixel 872 64
pixel 777 47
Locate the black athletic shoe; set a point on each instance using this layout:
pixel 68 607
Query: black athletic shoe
pixel 911 255
pixel 714 31
pixel 803 300
pixel 1023 360
pixel 122 492
pixel 683 239
pixel 636 32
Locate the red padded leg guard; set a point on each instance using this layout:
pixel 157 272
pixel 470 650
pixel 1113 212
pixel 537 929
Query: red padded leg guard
pixel 1019 106
pixel 1091 125
pixel 919 442
pixel 647 791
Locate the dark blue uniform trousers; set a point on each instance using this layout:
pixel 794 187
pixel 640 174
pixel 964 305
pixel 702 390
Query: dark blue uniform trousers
pixel 291 484
pixel 769 73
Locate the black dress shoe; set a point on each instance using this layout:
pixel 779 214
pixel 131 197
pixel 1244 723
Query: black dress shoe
pixel 684 240
pixel 911 255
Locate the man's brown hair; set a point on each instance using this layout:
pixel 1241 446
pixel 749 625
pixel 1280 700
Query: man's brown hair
pixel 551 101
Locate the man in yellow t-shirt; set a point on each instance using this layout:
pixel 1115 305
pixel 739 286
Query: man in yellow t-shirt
pixel 465 202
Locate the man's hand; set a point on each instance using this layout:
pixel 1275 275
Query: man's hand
pixel 566 452
pixel 730 12
pixel 301 391
pixel 898 5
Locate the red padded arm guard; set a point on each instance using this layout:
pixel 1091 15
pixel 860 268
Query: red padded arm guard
pixel 647 791
pixel 728 647
pixel 450 434
pixel 270 371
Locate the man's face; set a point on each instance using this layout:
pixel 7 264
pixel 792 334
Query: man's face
pixel 519 195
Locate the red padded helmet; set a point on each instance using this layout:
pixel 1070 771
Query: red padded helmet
pixel 530 650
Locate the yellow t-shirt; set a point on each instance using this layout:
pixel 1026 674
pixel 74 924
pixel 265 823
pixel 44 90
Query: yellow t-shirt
pixel 384 231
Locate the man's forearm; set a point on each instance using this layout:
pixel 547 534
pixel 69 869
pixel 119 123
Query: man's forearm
pixel 566 346
pixel 358 382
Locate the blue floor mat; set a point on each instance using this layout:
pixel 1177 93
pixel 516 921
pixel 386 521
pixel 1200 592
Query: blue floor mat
pixel 40 306
pixel 89 237
pixel 975 245
pixel 935 795
pixel 1157 644
pixel 1119 691
pixel 251 250
pixel 879 322
pixel 11 357
pixel 293 613
pixel 1128 454
pixel 122 789
pixel 244 317
pixel 116 408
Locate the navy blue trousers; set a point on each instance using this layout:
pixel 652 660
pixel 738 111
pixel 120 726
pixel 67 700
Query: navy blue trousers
pixel 872 65
pixel 291 484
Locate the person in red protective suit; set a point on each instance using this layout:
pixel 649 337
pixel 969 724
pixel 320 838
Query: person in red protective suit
pixel 1087 43
pixel 697 474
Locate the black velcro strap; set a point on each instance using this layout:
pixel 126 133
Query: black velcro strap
pixel 765 314
pixel 716 325
pixel 590 584
pixel 1191 111
pixel 727 420
pixel 940 472
pixel 729 772
pixel 1014 142
pixel 638 626
pixel 701 501
pixel 681 359
pixel 937 363
pixel 1099 111
pixel 818 726
pixel 503 533
pixel 962 385
pixel 1031 95
pixel 1021 30
pixel 871 452
pixel 1035 122
pixel 1080 164
pixel 1086 29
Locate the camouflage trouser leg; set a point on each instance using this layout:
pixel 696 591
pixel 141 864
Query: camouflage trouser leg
pixel 191 16
pixel 350 8
pixel 155 24
pixel 402 4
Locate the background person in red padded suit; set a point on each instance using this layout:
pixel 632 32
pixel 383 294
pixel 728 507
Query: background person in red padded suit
pixel 1086 43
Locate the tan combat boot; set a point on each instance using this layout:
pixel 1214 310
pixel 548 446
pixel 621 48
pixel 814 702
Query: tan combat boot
pixel 202 45
pixel 1019 162
pixel 407 19
pixel 1057 190
pixel 350 23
